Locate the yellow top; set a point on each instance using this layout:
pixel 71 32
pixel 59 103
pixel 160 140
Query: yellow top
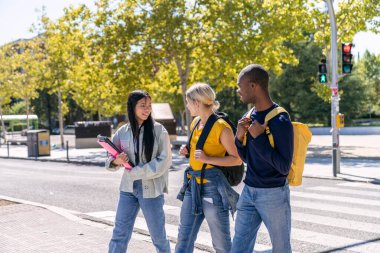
pixel 213 146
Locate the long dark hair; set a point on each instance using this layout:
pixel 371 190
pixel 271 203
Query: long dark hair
pixel 148 138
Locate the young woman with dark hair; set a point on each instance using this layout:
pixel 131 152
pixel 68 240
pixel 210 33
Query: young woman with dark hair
pixel 146 145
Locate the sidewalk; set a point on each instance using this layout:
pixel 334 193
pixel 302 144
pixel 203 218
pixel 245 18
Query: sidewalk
pixel 31 227
pixel 354 149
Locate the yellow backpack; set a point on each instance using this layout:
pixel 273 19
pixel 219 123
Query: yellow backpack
pixel 302 137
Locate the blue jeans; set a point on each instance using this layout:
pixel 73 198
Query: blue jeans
pixel 128 207
pixel 217 219
pixel 270 205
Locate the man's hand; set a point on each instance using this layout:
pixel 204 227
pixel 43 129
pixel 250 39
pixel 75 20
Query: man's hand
pixel 183 150
pixel 255 129
pixel 120 159
pixel 200 156
pixel 242 128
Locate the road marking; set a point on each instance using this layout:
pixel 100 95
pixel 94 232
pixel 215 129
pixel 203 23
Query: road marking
pixel 335 208
pixel 319 238
pixel 334 241
pixel 361 185
pixel 335 198
pixel 346 191
pixel 203 238
pixel 316 219
pixel 336 222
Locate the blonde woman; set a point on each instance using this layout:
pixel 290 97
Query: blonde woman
pixel 214 198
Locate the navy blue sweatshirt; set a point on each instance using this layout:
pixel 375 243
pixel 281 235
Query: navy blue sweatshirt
pixel 268 167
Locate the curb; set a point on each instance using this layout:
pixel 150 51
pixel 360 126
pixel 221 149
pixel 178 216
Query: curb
pixel 54 160
pixel 141 231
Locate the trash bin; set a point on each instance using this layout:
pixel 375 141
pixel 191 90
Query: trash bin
pixel 38 142
pixel 87 131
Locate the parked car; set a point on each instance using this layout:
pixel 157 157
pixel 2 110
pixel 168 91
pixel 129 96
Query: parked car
pixel 69 129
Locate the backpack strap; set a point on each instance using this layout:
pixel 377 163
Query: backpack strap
pixel 206 130
pixel 274 113
pixel 270 116
pixel 201 142
pixel 191 135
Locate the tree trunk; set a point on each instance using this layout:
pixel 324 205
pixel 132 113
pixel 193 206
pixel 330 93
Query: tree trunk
pixel 188 116
pixel 99 116
pixel 184 75
pixel 183 119
pixel 48 111
pixel 3 132
pixel 27 113
pixel 60 116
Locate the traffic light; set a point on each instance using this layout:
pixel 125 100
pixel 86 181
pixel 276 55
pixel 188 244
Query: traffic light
pixel 346 58
pixel 322 76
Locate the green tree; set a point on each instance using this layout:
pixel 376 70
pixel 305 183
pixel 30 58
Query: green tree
pixel 25 62
pixel 5 91
pixel 200 40
pixel 61 54
pixel 369 69
pixel 352 16
pixel 295 88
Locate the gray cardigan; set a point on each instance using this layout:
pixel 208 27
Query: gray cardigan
pixel 154 174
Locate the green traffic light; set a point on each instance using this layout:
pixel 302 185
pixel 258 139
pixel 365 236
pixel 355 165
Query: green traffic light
pixel 322 78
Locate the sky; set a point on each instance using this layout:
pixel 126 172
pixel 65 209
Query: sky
pixel 17 16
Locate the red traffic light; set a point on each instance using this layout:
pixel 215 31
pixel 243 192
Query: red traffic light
pixel 346 58
pixel 347 48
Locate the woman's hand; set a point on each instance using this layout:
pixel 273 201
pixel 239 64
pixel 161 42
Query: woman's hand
pixel 120 159
pixel 183 150
pixel 200 156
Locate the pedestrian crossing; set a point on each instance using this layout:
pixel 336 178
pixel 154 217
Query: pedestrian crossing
pixel 343 217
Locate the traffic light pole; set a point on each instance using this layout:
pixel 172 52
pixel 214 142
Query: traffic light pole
pixel 334 91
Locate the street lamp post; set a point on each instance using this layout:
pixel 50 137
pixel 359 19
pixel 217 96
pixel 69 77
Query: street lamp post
pixel 334 91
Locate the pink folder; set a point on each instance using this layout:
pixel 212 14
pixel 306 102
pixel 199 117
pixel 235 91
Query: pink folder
pixel 111 148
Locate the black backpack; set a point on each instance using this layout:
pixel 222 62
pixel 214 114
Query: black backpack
pixel 233 174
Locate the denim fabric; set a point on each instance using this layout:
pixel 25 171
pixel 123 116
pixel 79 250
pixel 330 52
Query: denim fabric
pixel 215 178
pixel 268 205
pixel 217 219
pixel 128 207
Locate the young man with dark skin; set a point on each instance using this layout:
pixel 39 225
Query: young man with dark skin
pixel 265 197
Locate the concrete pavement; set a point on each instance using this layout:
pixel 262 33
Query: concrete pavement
pixel 32 227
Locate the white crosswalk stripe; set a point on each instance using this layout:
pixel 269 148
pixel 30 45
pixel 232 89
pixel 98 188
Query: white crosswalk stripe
pixel 335 198
pixel 346 191
pixel 361 185
pixel 335 208
pixel 307 203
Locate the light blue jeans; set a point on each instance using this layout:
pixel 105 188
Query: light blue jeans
pixel 128 207
pixel 268 205
pixel 217 220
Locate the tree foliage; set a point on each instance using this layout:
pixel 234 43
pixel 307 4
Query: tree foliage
pixel 96 57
